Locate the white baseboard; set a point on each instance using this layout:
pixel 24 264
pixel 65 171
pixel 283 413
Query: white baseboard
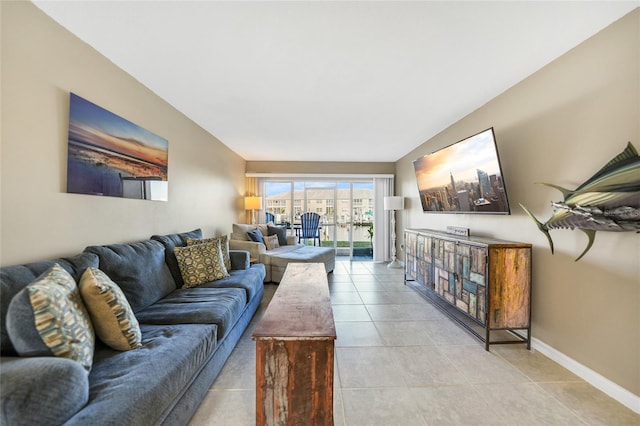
pixel 612 389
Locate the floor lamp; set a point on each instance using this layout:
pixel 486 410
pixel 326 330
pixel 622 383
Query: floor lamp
pixel 253 204
pixel 393 203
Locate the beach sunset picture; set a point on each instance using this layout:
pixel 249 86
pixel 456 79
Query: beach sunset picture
pixel 114 157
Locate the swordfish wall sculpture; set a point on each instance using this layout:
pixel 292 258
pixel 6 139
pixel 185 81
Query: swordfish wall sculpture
pixel 608 201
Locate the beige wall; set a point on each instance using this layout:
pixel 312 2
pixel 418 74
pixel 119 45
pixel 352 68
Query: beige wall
pixel 41 64
pixel 319 167
pixel 560 126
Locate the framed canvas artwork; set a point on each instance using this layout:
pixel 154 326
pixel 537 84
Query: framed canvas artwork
pixel 111 156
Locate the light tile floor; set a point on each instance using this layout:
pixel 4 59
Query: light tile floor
pixel 400 361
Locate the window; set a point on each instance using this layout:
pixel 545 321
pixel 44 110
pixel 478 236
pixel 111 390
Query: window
pixel 343 218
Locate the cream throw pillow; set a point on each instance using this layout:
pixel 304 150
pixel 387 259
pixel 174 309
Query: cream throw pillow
pixel 113 319
pixel 264 228
pixel 271 242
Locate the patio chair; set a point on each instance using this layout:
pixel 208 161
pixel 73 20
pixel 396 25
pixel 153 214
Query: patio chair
pixel 310 227
pixel 269 217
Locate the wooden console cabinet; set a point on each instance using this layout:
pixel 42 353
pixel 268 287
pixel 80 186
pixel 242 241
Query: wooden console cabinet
pixel 295 349
pixel 484 284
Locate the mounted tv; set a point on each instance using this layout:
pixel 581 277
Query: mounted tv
pixel 465 177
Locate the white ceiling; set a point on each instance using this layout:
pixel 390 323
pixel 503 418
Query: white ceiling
pixel 331 81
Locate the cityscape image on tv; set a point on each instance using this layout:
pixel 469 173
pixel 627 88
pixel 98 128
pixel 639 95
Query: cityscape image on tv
pixel 463 178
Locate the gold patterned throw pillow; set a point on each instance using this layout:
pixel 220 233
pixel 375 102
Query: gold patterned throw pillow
pixel 112 317
pixel 47 318
pixel 271 242
pixel 200 263
pixel 224 247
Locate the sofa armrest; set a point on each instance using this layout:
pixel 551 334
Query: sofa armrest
pixel 254 249
pixel 41 390
pixel 240 259
pixel 292 240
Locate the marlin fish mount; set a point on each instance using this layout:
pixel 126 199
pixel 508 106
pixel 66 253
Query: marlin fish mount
pixel 608 201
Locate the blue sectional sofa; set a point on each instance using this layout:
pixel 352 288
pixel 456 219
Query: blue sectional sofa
pixel 187 335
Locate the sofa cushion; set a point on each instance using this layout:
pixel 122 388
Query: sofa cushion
pixel 301 254
pixel 239 231
pixel 139 387
pixel 219 306
pixel 139 269
pixel 280 251
pixel 271 242
pixel 250 280
pixel 256 236
pixel 15 278
pixel 201 263
pixel 224 247
pixel 280 231
pixel 111 315
pixel 172 241
pixel 41 390
pixel 48 318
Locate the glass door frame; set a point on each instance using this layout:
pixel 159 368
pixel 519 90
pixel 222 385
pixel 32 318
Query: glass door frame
pixel 334 184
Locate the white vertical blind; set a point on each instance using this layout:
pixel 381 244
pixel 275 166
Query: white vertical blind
pixel 382 187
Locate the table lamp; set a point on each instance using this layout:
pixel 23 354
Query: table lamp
pixel 253 203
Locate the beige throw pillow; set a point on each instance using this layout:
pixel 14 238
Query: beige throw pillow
pixel 113 319
pixel 264 228
pixel 271 242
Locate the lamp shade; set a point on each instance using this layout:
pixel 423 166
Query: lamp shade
pixel 252 203
pixel 393 203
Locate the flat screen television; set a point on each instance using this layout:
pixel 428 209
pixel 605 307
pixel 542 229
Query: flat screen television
pixel 465 177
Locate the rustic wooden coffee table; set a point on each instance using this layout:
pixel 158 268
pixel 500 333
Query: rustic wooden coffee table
pixel 294 351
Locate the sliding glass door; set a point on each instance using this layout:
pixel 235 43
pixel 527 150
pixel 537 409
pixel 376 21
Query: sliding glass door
pixel 345 208
pixel 363 211
pixel 319 197
pixel 278 202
